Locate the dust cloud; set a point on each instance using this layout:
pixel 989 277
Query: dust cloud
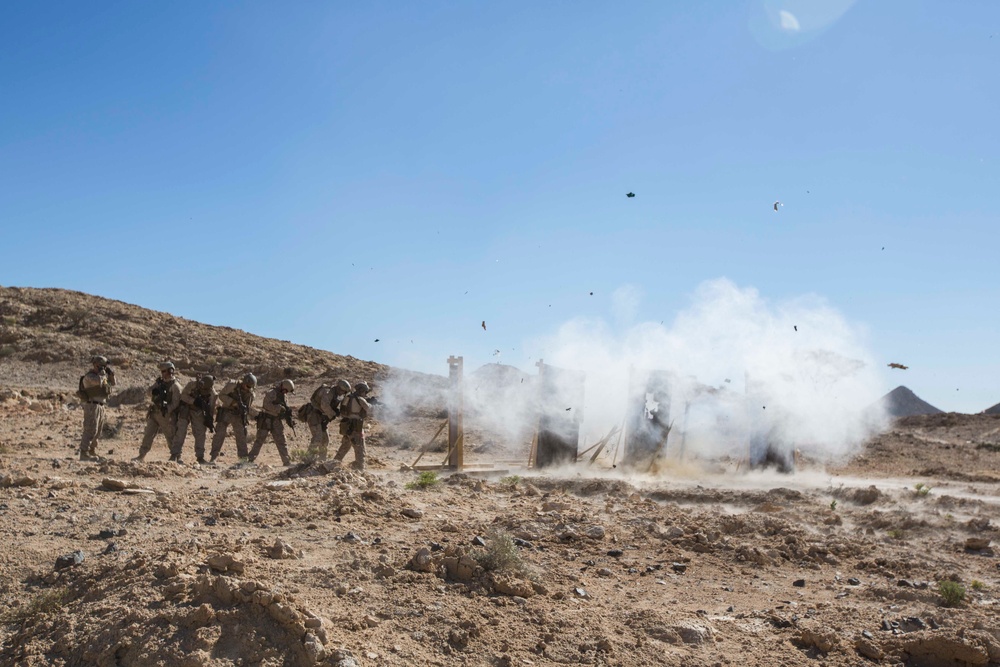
pixel 743 372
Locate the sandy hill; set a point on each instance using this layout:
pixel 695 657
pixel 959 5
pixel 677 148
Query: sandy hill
pixel 902 402
pixel 995 410
pixel 48 336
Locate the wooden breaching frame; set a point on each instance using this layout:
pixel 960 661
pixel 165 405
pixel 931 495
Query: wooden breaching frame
pixel 455 457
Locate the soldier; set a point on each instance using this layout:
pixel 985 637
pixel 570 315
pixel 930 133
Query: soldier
pixel 354 409
pixel 94 390
pixel 162 414
pixel 274 411
pixel 236 399
pixel 323 407
pixel 197 407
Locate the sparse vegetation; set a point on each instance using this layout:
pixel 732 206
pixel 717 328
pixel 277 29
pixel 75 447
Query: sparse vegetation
pixel 896 533
pixel 833 505
pixel 6 351
pixel 428 479
pixel 9 320
pixel 501 554
pixel 977 585
pixel 303 455
pixel 510 481
pixel 4 449
pixel 952 593
pixel 46 602
pixel 922 489
pixel 226 362
pixel 110 430
pixel 989 446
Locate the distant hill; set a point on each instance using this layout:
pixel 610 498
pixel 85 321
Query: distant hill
pixel 49 329
pixel 995 410
pixel 901 402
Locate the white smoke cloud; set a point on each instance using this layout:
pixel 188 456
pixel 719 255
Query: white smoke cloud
pixel 743 370
pixel 804 362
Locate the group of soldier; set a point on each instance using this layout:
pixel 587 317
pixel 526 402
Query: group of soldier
pixel 198 405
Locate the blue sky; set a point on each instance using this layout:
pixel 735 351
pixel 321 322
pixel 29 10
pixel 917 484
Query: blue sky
pixel 332 173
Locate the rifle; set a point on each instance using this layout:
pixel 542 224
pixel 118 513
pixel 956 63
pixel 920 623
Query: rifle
pixel 286 412
pixel 202 404
pixel 161 396
pixel 243 407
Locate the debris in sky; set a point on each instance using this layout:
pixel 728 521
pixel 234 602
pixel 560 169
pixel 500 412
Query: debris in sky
pixel 484 325
pixel 795 326
pixel 568 409
pixel 899 366
pixel 883 247
pixel 630 195
pixel 728 380
pixel 376 340
pixel 591 294
pixel 776 205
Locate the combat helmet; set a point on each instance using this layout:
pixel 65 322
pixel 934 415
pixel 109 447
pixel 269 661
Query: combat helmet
pixel 288 386
pixel 343 385
pixel 362 388
pixel 166 366
pixel 250 379
pixel 207 381
pixel 99 360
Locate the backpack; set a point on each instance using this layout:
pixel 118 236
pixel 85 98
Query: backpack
pixel 303 412
pixel 81 393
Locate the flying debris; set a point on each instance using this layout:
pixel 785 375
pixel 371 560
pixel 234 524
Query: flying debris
pixel 568 409
pixel 795 326
pixel 776 205
pixel 484 325
pixel 728 380
pixel 591 294
pixel 899 366
pixel 630 195
pixel 376 340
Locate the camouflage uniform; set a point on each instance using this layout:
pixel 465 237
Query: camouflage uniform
pixel 197 406
pixel 231 414
pixel 165 397
pixel 323 408
pixel 354 409
pixel 270 421
pixel 95 388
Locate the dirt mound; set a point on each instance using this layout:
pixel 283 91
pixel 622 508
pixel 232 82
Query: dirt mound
pixel 902 402
pixel 995 410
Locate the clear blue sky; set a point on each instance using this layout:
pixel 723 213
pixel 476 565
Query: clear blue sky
pixel 332 172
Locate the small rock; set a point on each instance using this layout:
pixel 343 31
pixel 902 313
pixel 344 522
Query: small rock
pixel 70 560
pixel 679 568
pixel 595 532
pixel 351 538
pixel 478 541
pixel 977 543
pixel 524 544
pixel 854 582
pixel 604 572
pixel 581 592
pixel 412 513
pixel 371 621
pixel 282 550
pixel 799 583
pixel 615 553
pixel 903 583
pixel 112 484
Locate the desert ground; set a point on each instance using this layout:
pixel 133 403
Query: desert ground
pixel 888 558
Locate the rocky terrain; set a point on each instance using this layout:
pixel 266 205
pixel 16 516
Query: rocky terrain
pixel 888 559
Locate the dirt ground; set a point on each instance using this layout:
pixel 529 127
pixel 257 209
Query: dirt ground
pixel 262 565
pixel 887 559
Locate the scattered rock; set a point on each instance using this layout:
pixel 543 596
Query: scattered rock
pixel 70 560
pixel 412 513
pixel 799 583
pixel 595 532
pixel 282 550
pixel 112 484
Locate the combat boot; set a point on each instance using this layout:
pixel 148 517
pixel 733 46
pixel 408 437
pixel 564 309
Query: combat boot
pixel 203 462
